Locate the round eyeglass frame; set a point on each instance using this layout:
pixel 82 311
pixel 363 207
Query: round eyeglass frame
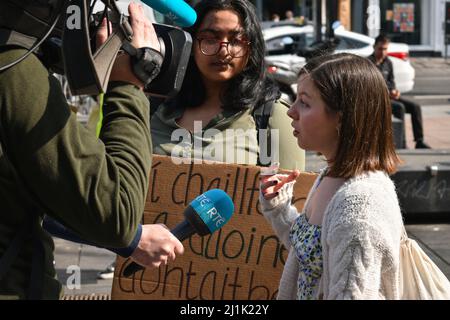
pixel 226 43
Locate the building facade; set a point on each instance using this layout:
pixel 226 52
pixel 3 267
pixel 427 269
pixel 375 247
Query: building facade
pixel 422 24
pixel 419 23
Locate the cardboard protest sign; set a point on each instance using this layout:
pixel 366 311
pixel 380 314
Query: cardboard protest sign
pixel 242 261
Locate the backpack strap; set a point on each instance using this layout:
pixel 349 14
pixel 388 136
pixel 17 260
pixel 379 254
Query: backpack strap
pixel 261 114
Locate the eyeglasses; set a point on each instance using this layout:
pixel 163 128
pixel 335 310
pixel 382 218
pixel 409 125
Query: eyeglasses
pixel 235 48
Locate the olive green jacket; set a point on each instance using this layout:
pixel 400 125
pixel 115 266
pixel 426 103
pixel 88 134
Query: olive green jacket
pixel 51 164
pixel 229 137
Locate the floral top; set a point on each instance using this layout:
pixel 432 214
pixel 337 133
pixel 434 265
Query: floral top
pixel 305 239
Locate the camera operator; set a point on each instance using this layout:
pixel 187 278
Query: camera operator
pixel 51 165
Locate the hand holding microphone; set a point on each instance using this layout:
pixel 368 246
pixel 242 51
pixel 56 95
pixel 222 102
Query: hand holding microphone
pixel 204 215
pixel 157 246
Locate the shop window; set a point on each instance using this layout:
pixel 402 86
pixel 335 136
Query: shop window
pixel 401 20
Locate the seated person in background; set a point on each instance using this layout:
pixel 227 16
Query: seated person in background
pixel 399 104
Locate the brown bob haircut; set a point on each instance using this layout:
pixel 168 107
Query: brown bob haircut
pixel 354 88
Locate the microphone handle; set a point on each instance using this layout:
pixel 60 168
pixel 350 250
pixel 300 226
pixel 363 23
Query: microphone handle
pixel 182 231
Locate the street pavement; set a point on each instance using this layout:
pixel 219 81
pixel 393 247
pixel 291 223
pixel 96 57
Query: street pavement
pixel 90 260
pixel 432 76
pixel 433 236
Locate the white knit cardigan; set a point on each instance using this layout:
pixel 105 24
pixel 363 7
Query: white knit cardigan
pixel 360 239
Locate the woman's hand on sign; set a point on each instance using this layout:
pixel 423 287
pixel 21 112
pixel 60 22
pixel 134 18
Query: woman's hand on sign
pixel 157 246
pixel 271 184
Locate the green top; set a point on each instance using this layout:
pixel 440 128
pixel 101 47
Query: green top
pixel 229 137
pixel 95 187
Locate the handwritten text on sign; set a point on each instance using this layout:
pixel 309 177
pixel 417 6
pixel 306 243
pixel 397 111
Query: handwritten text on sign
pixel 241 261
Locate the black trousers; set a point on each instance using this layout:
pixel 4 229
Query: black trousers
pixel 402 106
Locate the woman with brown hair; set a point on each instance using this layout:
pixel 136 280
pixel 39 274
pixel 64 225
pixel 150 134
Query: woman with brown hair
pixel 345 244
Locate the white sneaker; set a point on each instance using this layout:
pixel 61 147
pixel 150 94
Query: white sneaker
pixel 108 273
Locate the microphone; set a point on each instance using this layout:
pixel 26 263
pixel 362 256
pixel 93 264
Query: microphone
pixel 205 214
pixel 176 10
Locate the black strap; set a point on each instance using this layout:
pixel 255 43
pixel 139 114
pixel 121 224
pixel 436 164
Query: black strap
pixel 261 114
pixel 146 62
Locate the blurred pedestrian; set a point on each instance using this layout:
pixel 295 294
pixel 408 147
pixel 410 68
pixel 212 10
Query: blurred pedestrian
pixel 289 15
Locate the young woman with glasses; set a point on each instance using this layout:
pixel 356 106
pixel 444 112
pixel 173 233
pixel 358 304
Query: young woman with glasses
pixel 225 81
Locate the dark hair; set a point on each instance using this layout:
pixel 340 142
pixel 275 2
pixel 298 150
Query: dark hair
pixel 382 39
pixel 249 88
pixel 353 87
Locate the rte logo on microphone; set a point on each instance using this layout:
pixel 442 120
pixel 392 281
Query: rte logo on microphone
pixel 212 214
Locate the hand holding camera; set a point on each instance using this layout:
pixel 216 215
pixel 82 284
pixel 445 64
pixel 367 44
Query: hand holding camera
pixel 144 35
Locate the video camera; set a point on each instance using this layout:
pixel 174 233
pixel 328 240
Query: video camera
pixel 73 52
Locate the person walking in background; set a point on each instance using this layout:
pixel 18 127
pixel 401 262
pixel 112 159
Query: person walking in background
pixel 346 242
pixel 400 105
